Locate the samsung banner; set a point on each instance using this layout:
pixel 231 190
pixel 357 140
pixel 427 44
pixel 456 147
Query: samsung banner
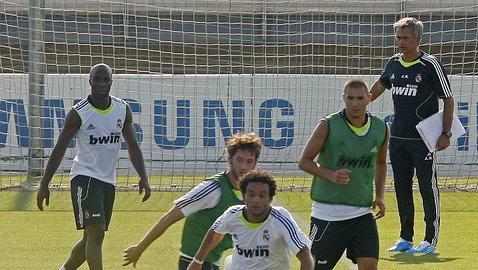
pixel 183 121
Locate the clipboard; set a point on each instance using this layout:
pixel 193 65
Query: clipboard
pixel 431 128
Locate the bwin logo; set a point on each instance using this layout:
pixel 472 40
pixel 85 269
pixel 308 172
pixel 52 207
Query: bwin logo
pixel 255 252
pixel 113 138
pixel 364 161
pixel 404 91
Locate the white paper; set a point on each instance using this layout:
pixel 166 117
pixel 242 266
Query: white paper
pixel 431 128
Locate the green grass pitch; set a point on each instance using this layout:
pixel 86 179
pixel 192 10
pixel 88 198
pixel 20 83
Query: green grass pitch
pixel 31 239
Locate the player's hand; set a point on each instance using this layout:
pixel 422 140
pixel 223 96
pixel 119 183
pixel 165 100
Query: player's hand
pixel 443 142
pixel 132 255
pixel 378 202
pixel 144 185
pixel 194 266
pixel 341 176
pixel 43 193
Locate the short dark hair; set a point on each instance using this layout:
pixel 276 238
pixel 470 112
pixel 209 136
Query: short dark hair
pixel 244 142
pixel 355 83
pixel 101 66
pixel 259 176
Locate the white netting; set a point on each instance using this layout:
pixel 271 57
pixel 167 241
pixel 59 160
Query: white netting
pixel 195 72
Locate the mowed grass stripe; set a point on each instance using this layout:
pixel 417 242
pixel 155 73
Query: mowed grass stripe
pixel 31 239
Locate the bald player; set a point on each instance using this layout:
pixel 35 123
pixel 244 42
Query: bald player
pixel 98 121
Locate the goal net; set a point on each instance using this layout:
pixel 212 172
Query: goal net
pixel 196 72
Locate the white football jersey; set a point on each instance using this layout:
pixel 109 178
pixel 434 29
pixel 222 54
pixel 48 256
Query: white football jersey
pixel 99 140
pixel 261 246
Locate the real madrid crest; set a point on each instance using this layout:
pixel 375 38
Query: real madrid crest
pixel 418 78
pixel 265 235
pixel 119 123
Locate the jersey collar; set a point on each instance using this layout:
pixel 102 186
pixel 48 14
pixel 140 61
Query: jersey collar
pixel 409 64
pixel 360 131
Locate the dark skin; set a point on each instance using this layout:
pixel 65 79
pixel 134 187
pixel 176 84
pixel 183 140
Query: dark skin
pixel 89 247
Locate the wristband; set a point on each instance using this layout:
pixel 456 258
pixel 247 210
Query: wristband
pixel 197 261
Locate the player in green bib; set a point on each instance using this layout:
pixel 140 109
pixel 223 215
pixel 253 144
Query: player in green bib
pixel 346 154
pixel 203 204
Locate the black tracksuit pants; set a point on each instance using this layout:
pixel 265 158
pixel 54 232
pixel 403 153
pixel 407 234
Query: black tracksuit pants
pixel 406 157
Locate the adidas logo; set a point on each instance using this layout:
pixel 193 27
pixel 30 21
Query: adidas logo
pixel 374 150
pixel 90 127
pixel 429 156
pixel 393 76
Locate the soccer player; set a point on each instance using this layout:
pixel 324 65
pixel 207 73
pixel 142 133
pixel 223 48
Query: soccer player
pixel 98 122
pixel 203 204
pixel 417 81
pixel 264 236
pixel 351 146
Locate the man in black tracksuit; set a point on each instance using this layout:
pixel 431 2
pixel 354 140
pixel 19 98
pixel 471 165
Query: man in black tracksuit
pixel 417 80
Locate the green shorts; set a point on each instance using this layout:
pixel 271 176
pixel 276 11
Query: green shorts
pixel 92 201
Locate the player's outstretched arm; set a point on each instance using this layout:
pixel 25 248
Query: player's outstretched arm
pixel 210 241
pixel 305 258
pixel 133 253
pixel 72 124
pixel 135 154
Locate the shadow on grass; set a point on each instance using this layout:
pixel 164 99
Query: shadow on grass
pixel 23 201
pixel 405 258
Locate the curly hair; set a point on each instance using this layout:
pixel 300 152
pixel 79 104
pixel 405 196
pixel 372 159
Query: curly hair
pixel 259 176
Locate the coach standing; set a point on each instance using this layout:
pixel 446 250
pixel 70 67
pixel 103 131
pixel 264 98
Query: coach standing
pixel 417 81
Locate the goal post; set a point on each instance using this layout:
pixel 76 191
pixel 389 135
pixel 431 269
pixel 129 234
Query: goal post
pixel 196 72
pixel 36 91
